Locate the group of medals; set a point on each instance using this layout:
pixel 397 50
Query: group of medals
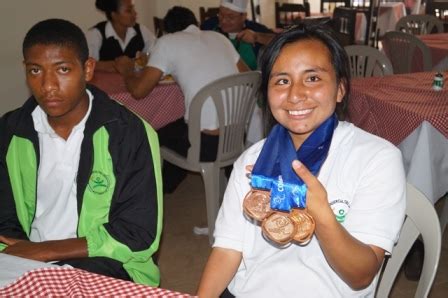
pixel 277 226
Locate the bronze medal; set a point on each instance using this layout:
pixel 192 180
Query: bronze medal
pixel 256 204
pixel 305 225
pixel 279 227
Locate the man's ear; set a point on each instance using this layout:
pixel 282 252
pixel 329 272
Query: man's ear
pixel 89 68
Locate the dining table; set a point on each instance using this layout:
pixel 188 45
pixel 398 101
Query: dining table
pixel 163 105
pixel 405 110
pixel 21 277
pixel 438 47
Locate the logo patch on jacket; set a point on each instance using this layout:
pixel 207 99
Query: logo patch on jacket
pixel 340 209
pixel 98 182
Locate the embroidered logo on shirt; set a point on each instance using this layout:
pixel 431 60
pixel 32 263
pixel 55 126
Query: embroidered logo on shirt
pixel 98 183
pixel 340 209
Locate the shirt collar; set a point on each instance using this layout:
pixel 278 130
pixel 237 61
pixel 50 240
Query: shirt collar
pixel 109 31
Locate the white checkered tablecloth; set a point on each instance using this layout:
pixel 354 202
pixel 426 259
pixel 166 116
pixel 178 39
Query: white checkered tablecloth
pixel 392 107
pixel 69 282
pixel 163 105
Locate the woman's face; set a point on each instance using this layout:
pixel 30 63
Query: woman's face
pixel 302 89
pixel 125 15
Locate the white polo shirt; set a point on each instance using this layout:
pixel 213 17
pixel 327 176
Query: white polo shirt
pixel 195 58
pixel 365 181
pixel 95 40
pixel 56 206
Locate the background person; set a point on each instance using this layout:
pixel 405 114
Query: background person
pixel 69 190
pixel 357 198
pixel 246 36
pixel 119 35
pixel 194 58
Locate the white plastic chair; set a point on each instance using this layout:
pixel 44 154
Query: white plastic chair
pixel 401 47
pixel 419 24
pixel 368 61
pixel 234 97
pixel 421 219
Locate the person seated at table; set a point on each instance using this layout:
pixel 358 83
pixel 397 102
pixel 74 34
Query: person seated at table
pixel 352 184
pixel 70 191
pixel 246 36
pixel 119 35
pixel 194 58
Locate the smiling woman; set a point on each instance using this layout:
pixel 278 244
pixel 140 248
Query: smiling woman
pixel 310 162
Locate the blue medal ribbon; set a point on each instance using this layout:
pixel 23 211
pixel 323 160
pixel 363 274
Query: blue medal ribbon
pixel 273 170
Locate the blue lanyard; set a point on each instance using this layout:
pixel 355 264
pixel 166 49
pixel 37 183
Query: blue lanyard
pixel 273 170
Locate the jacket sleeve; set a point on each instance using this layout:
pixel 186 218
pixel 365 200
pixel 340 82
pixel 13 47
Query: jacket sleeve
pixel 9 222
pixel 135 215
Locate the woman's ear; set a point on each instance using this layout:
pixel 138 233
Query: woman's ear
pixel 341 92
pixel 89 68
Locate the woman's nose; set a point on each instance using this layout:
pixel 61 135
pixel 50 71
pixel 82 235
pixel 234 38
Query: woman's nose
pixel 297 93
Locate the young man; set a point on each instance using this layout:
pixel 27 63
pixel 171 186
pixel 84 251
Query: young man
pixel 194 58
pixel 80 178
pixel 246 36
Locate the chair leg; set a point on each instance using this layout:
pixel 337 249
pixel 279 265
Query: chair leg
pixel 211 176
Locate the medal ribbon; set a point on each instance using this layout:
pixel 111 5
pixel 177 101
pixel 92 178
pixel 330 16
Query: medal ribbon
pixel 273 170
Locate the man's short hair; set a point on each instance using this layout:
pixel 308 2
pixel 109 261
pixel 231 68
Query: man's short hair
pixel 178 18
pixel 57 32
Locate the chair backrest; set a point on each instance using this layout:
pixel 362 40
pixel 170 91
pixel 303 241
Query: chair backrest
pixel 330 5
pixel 421 219
pixel 234 97
pixel 419 24
pixel 343 23
pixel 288 14
pixel 438 9
pixel 367 61
pixel 159 27
pixel 205 13
pixel 402 49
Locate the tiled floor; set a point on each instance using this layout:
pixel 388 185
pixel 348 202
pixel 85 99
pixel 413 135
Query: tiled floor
pixel 183 254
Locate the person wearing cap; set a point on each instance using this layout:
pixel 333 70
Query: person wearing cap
pixel 246 36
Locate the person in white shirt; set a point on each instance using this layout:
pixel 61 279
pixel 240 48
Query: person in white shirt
pixel 356 197
pixel 194 58
pixel 119 35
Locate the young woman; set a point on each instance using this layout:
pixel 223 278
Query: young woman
pixel 352 183
pixel 119 35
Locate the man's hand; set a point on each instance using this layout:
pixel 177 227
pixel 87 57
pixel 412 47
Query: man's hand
pixel 248 36
pixel 24 248
pixel 45 251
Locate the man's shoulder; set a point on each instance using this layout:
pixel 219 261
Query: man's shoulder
pixel 257 27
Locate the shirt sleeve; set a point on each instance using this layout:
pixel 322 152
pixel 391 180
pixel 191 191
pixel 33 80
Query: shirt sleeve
pixel 94 41
pixel 378 209
pixel 149 38
pixel 159 57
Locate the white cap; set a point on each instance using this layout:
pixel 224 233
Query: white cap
pixel 235 5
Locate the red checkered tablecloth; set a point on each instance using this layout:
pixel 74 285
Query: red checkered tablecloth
pixel 69 282
pixel 394 106
pixel 437 44
pixel 163 105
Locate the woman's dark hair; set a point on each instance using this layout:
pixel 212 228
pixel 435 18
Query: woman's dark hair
pixel 108 6
pixel 315 31
pixel 57 32
pixel 178 18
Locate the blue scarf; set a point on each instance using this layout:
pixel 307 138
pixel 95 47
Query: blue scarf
pixel 273 170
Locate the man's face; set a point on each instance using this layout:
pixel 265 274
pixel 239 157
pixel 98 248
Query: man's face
pixel 231 21
pixel 57 79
